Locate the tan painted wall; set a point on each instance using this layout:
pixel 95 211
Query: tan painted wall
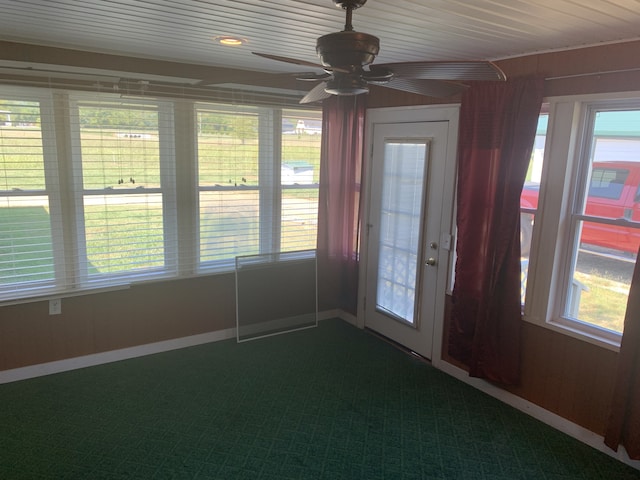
pixel 117 319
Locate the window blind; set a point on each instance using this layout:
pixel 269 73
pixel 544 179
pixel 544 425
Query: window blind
pixel 228 182
pixel 258 174
pixel 120 150
pixel 27 260
pixel 100 190
pixel 300 178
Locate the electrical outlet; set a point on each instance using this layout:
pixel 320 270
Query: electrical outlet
pixel 55 306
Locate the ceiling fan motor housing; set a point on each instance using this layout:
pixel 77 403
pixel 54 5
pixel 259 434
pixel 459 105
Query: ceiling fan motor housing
pixel 346 84
pixel 347 50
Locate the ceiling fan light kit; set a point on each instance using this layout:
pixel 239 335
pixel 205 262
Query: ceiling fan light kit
pixel 342 84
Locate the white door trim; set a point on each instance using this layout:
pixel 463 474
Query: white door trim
pixel 429 113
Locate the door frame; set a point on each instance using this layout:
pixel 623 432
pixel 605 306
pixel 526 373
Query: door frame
pixel 428 113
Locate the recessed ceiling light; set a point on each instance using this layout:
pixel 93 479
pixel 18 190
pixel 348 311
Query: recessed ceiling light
pixel 230 41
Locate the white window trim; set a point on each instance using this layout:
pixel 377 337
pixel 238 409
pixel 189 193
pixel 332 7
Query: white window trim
pixel 228 265
pixel 553 229
pixel 52 189
pixel 269 188
pixel 167 190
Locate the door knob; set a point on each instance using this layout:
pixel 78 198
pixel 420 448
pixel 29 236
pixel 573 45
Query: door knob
pixel 431 261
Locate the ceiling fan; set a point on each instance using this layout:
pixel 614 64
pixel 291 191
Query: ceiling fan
pixel 347 60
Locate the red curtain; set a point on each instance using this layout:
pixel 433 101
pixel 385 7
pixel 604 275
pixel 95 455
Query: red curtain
pixel 339 200
pixel 624 419
pixel 498 123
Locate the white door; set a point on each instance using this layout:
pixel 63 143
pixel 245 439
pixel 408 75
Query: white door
pixel 404 231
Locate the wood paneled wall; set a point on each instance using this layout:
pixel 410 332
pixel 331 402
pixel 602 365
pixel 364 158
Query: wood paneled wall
pixel 569 377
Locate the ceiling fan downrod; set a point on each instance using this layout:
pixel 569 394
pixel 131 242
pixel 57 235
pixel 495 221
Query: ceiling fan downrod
pixel 347 50
pixel 349 6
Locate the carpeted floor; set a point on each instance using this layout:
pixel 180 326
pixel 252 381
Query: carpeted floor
pixel 332 402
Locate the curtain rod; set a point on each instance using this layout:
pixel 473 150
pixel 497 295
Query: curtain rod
pixel 590 74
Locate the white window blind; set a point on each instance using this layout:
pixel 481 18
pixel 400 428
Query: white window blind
pixel 258 174
pixel 300 175
pixel 228 183
pixel 122 160
pixel 97 190
pixel 27 180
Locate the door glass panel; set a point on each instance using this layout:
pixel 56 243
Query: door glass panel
pixel 400 228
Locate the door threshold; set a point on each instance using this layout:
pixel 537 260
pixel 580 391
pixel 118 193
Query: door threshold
pixel 398 346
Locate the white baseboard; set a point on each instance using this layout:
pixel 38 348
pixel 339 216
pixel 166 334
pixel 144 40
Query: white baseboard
pixel 74 363
pixel 545 416
pixel 58 366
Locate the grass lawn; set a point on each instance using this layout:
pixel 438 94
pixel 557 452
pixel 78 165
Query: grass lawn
pixel 108 158
pixel 25 244
pixel 604 303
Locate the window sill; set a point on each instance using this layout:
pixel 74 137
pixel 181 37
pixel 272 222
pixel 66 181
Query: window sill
pixel 51 295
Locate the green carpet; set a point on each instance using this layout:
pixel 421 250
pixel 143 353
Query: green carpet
pixel 332 402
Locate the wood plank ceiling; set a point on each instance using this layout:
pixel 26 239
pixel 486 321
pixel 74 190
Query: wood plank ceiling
pixel 410 30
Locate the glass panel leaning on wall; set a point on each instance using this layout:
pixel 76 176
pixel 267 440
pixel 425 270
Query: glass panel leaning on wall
pixel 605 221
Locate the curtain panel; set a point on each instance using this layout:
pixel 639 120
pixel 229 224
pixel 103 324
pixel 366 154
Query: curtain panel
pixel 497 130
pixel 624 418
pixel 343 126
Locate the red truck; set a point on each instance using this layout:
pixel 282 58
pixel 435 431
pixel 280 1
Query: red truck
pixel 614 193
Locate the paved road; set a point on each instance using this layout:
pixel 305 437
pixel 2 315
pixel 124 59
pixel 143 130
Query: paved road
pixel 606 265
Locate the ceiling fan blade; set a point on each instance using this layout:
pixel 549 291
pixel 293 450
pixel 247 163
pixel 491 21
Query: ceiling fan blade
pixel 288 60
pixel 301 62
pixel 427 87
pixel 316 94
pixel 480 70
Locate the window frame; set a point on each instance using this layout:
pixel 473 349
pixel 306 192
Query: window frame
pixel 565 168
pixel 270 188
pixel 52 191
pixel 166 190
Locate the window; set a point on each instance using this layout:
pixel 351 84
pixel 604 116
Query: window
pixel 299 179
pixel 257 181
pixel 604 230
pixel 589 218
pixel 98 190
pixel 607 182
pixel 28 196
pixel 229 183
pixel 123 166
pixel 529 196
